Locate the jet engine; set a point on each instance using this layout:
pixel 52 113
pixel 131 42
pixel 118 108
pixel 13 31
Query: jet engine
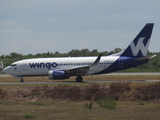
pixel 57 74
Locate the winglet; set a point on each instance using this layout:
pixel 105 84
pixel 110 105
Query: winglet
pixel 96 61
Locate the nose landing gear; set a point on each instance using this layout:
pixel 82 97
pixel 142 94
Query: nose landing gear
pixel 21 80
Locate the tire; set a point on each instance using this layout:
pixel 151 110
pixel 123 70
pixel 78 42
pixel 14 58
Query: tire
pixel 79 79
pixel 21 80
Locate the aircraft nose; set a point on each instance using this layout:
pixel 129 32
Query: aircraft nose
pixel 6 70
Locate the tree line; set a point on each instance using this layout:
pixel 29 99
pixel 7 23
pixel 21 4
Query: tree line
pixel 152 66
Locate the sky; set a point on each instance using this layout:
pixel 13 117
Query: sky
pixel 41 26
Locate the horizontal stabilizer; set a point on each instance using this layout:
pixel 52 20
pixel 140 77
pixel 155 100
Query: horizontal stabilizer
pixel 145 58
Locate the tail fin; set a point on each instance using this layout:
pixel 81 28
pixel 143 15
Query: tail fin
pixel 139 46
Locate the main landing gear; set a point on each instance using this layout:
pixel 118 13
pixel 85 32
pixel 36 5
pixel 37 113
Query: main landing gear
pixel 21 80
pixel 79 79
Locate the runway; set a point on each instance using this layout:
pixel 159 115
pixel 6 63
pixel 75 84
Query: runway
pixel 135 73
pixel 119 73
pixel 71 82
pixel 68 82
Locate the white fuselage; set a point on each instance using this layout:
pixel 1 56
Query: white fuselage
pixel 41 66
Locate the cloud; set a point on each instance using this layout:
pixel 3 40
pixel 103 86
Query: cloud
pixel 50 25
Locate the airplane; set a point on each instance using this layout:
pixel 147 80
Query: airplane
pixel 65 67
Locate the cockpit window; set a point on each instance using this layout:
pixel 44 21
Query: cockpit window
pixel 14 65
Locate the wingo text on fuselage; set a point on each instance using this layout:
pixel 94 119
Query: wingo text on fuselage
pixel 48 65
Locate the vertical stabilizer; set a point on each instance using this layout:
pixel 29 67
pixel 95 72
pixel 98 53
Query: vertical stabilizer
pixel 139 46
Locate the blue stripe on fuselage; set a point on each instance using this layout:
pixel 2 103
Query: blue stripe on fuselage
pixel 122 63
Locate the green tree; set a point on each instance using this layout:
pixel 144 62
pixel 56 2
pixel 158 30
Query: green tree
pixel 15 55
pixel 116 50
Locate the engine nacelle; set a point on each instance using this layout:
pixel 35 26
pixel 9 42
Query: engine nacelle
pixel 57 74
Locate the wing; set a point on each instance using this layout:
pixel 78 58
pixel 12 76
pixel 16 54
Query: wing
pixel 82 70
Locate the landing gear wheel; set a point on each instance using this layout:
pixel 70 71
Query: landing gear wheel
pixel 79 79
pixel 21 80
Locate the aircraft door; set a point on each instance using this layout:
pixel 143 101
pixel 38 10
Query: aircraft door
pixel 25 67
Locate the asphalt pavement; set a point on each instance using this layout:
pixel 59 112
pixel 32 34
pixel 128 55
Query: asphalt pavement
pixel 66 82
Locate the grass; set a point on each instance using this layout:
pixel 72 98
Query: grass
pixel 88 105
pixel 141 103
pixel 36 103
pixel 75 110
pixel 28 116
pixel 13 109
pixel 107 103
